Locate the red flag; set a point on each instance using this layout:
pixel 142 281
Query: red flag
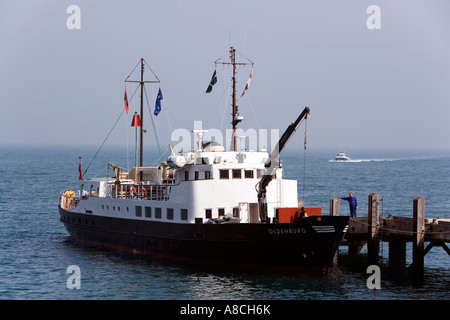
pixel 80 171
pixel 248 85
pixel 136 122
pixel 126 100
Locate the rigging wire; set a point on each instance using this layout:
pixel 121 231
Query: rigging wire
pixel 161 156
pixel 104 141
pixel 131 98
pixel 153 123
pixel 304 158
pixel 253 112
pixel 147 66
pixel 217 105
pixel 151 70
pixel 245 57
pixel 133 70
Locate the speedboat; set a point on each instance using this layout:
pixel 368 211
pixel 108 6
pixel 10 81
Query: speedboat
pixel 342 156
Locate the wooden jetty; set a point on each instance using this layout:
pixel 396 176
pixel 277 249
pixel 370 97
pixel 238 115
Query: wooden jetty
pixel 396 231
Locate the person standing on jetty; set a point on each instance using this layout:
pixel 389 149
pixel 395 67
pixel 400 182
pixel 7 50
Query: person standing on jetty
pixel 353 204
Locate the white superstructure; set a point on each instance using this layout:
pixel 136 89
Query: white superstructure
pixel 208 184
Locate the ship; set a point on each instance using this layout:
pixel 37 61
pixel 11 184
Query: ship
pixel 207 206
pixel 342 156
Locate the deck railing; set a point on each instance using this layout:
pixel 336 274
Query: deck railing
pixel 67 202
pixel 143 192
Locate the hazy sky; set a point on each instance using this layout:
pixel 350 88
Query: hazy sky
pixel 380 88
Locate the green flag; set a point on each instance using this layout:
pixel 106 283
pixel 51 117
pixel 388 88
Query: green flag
pixel 213 82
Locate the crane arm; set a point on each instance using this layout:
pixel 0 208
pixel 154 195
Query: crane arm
pixel 116 169
pixel 272 163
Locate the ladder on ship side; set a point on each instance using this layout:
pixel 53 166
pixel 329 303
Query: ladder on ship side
pixel 279 193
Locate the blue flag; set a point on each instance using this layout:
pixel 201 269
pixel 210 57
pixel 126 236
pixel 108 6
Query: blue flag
pixel 158 102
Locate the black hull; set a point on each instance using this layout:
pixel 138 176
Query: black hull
pixel 306 245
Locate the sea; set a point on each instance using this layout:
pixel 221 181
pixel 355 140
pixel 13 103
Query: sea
pixel 38 256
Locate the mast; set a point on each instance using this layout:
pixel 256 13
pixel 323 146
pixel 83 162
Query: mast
pixel 142 131
pixel 235 112
pixel 141 148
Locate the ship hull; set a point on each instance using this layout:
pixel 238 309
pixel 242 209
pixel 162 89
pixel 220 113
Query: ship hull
pixel 307 245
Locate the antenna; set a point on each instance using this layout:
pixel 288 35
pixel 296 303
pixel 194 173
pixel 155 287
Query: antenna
pixel 200 138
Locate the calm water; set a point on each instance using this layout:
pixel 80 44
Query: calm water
pixel 36 249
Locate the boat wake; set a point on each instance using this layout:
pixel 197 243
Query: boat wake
pixel 362 160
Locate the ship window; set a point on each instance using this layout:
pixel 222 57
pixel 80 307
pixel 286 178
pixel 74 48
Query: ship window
pixel 148 212
pixel 208 213
pixel 169 214
pixel 248 174
pixel 221 212
pixel 236 212
pixel 138 211
pixel 196 175
pixel 260 173
pixel 207 174
pixel 224 174
pixel 158 213
pixel 186 175
pixel 184 214
pixel 236 173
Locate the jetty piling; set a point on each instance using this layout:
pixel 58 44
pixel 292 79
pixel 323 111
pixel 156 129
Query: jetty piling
pixel 334 206
pixel 397 231
pixel 418 236
pixel 373 243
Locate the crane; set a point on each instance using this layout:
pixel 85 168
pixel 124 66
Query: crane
pixel 272 163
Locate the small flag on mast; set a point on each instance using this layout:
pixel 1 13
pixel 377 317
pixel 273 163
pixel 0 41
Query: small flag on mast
pixel 247 85
pixel 136 122
pixel 125 98
pixel 159 97
pixel 80 171
pixel 212 82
